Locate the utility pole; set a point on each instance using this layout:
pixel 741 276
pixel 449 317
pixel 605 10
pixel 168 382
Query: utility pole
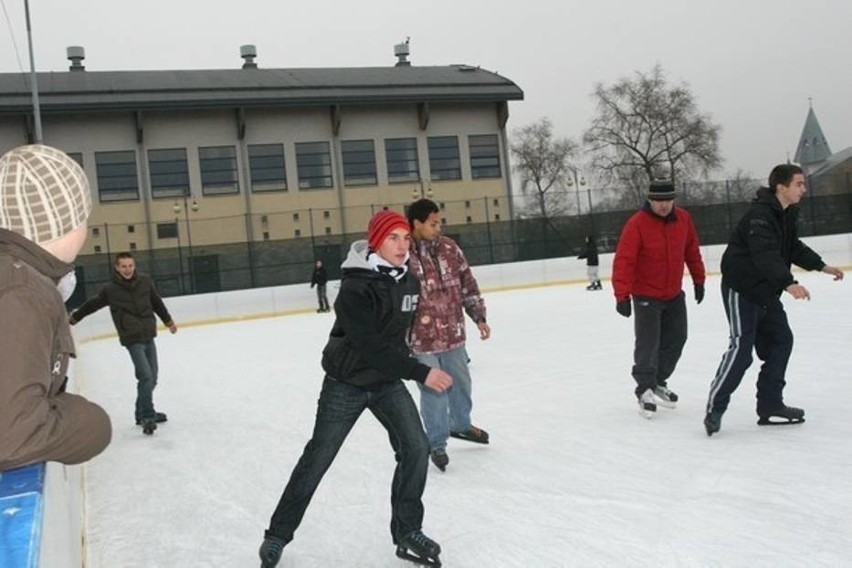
pixel 34 84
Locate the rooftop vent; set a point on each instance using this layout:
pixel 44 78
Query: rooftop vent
pixel 248 53
pixel 76 54
pixel 401 52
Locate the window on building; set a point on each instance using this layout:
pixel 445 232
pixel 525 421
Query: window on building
pixel 132 246
pixel 444 162
pixel 218 166
pixel 131 228
pixel 96 231
pixel 97 248
pixel 295 216
pixel 116 173
pixel 266 166
pixel 77 157
pixel 484 156
pixel 169 172
pixel 326 215
pixel 298 232
pixel 167 230
pixel 402 160
pixel 313 160
pixel 359 162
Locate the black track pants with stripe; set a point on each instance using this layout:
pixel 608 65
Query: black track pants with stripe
pixel 763 329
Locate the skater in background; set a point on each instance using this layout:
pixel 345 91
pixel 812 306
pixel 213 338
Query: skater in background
pixel 319 279
pixel 755 273
pixel 590 253
pixel 364 361
pixel 44 204
pixel 133 300
pixel 655 244
pixel 448 290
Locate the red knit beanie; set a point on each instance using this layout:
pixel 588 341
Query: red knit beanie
pixel 383 224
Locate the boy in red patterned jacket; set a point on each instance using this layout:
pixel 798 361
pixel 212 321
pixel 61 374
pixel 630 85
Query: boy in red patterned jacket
pixel 448 290
pixel 655 244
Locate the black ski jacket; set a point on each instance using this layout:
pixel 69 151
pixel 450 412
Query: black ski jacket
pixel 765 242
pixel 590 254
pixel 367 345
pixel 319 277
pixel 132 304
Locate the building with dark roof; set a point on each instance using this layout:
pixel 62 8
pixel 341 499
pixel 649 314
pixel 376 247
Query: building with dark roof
pixel 211 157
pixel 828 173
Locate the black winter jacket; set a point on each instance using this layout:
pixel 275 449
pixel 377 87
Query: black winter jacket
pixel 367 345
pixel 319 277
pixel 590 254
pixel 756 262
pixel 132 304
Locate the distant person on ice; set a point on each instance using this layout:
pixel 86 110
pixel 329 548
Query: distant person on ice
pixel 319 279
pixel 755 273
pixel 364 361
pixel 590 253
pixel 133 300
pixel 654 245
pixel 44 204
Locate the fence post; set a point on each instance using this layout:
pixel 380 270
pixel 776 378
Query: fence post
pixel 488 229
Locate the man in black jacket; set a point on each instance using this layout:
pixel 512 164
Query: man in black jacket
pixel 319 279
pixel 364 360
pixel 133 300
pixel 755 271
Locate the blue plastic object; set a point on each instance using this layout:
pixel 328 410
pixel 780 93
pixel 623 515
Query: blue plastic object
pixel 21 507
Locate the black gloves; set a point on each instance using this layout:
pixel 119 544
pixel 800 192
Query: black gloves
pixel 699 293
pixel 624 308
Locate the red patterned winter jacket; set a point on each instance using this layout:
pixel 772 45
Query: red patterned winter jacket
pixel 447 290
pixel 651 254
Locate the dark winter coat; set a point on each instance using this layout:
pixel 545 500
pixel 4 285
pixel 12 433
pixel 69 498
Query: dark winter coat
pixel 319 277
pixel 367 344
pixel 765 242
pixel 132 305
pixel 590 254
pixel 651 254
pixel 38 421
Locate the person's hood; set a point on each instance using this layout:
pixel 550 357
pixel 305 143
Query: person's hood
pixel 18 246
pixel 357 257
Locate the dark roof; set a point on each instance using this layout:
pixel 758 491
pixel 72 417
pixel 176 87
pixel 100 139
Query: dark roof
pixel 140 90
pixel 833 161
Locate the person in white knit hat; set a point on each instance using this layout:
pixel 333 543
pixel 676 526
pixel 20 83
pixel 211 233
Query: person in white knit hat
pixel 44 204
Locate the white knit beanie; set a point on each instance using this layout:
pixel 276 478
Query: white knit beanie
pixel 44 193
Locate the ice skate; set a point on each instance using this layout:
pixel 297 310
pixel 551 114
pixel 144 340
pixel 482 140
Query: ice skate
pixel 781 416
pixel 418 548
pixel 712 422
pixel 647 404
pixel 665 397
pixel 440 459
pixel 160 417
pixel 472 434
pixel 270 551
pixel 148 427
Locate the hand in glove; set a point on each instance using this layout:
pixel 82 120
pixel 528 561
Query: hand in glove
pixel 699 293
pixel 623 307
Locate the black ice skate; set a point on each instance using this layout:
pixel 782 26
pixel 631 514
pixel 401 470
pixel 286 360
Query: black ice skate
pixel 440 459
pixel 270 552
pixel 418 548
pixel 712 422
pixel 472 434
pixel 161 417
pixel 148 427
pixel 781 416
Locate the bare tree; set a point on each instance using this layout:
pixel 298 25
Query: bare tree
pixel 647 129
pixel 543 164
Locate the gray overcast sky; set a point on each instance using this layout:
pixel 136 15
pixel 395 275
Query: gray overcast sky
pixel 752 64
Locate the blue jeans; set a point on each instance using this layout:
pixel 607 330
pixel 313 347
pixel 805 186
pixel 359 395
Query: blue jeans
pixel 339 407
pixel 144 356
pixel 449 410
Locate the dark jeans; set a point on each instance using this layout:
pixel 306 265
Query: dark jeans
pixel 144 356
pixel 661 331
pixel 764 329
pixel 321 297
pixel 338 409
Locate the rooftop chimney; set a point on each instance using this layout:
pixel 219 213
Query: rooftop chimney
pixel 401 51
pixel 76 54
pixel 248 53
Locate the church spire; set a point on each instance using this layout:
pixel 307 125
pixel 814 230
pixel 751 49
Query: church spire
pixel 813 148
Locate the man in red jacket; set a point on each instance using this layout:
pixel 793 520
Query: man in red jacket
pixel 648 266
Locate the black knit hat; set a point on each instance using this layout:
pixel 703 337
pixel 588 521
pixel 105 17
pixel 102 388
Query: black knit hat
pixel 661 190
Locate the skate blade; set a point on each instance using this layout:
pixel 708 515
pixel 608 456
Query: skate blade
pixel 466 438
pixel 778 421
pixel 411 557
pixel 666 403
pixel 647 414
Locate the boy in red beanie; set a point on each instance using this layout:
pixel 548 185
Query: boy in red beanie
pixel 364 361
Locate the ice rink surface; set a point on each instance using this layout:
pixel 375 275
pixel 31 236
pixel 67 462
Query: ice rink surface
pixel 573 476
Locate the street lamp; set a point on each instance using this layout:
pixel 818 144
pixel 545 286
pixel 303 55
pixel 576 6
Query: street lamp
pixel 577 183
pixel 177 209
pixel 418 191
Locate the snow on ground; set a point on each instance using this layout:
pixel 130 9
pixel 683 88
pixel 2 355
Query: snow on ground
pixel 573 476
